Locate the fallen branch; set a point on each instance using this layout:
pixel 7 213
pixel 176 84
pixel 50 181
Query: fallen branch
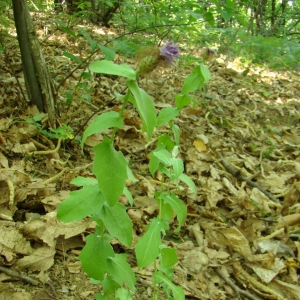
pixel 237 290
pixel 17 275
pixel 237 174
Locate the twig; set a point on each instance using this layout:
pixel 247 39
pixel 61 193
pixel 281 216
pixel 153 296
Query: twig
pixel 56 176
pixel 259 288
pixel 47 151
pixel 101 108
pixel 15 274
pixel 237 290
pixel 237 174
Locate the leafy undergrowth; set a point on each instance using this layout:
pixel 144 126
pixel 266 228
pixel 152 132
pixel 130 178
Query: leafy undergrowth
pixel 238 242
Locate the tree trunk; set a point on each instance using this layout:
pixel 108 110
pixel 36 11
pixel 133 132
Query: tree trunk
pixel 31 81
pixel 37 79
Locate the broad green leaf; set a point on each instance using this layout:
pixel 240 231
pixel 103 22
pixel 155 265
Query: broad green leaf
pixel 121 271
pixel 86 75
pixel 123 294
pixel 167 212
pixel 108 53
pixel 110 168
pixel 209 18
pixel 182 100
pixel 93 43
pixel 196 16
pixel 177 291
pixel 167 114
pixel 94 255
pixel 109 286
pixel 178 206
pixel 102 122
pixel 109 67
pixel 194 80
pixel 117 222
pixel 226 14
pixel 165 141
pixel 178 167
pixel 163 155
pixel 205 72
pixel 147 248
pixel 144 105
pixel 82 181
pixel 189 182
pixel 89 200
pixel 72 57
pixel 153 164
pixel 168 257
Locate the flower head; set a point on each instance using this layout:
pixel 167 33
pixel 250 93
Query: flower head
pixel 150 58
pixel 170 52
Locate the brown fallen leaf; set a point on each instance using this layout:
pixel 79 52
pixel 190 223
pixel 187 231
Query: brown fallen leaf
pixel 41 259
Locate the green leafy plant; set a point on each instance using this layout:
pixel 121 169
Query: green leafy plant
pixel 98 198
pixel 62 132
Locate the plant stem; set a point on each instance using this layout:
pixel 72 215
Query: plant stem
pixel 126 97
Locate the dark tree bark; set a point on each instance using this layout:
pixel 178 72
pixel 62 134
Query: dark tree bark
pixel 31 81
pixel 39 87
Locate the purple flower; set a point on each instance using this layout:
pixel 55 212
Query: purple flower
pixel 170 52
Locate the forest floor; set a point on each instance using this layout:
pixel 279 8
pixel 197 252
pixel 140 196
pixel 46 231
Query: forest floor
pixel 237 243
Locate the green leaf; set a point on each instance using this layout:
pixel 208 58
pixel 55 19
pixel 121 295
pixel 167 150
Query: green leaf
pixel 110 168
pixel 193 81
pixel 177 291
pixel 109 286
pixel 93 43
pixel 72 57
pixel 89 200
pixel 144 105
pixel 108 67
pixel 205 73
pixel 182 100
pixel 86 75
pixel 108 53
pixel 178 206
pixel 175 151
pixel 128 195
pixel 94 255
pixel 196 16
pixel 130 175
pixel 178 167
pixel 147 248
pixel 36 119
pixel 117 222
pixel 121 271
pixel 167 114
pixel 176 132
pixel 69 31
pixel 123 294
pixel 209 18
pixel 226 14
pixel 153 164
pixel 165 141
pixel 189 182
pixel 103 122
pixel 82 181
pixel 163 155
pixel 168 257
